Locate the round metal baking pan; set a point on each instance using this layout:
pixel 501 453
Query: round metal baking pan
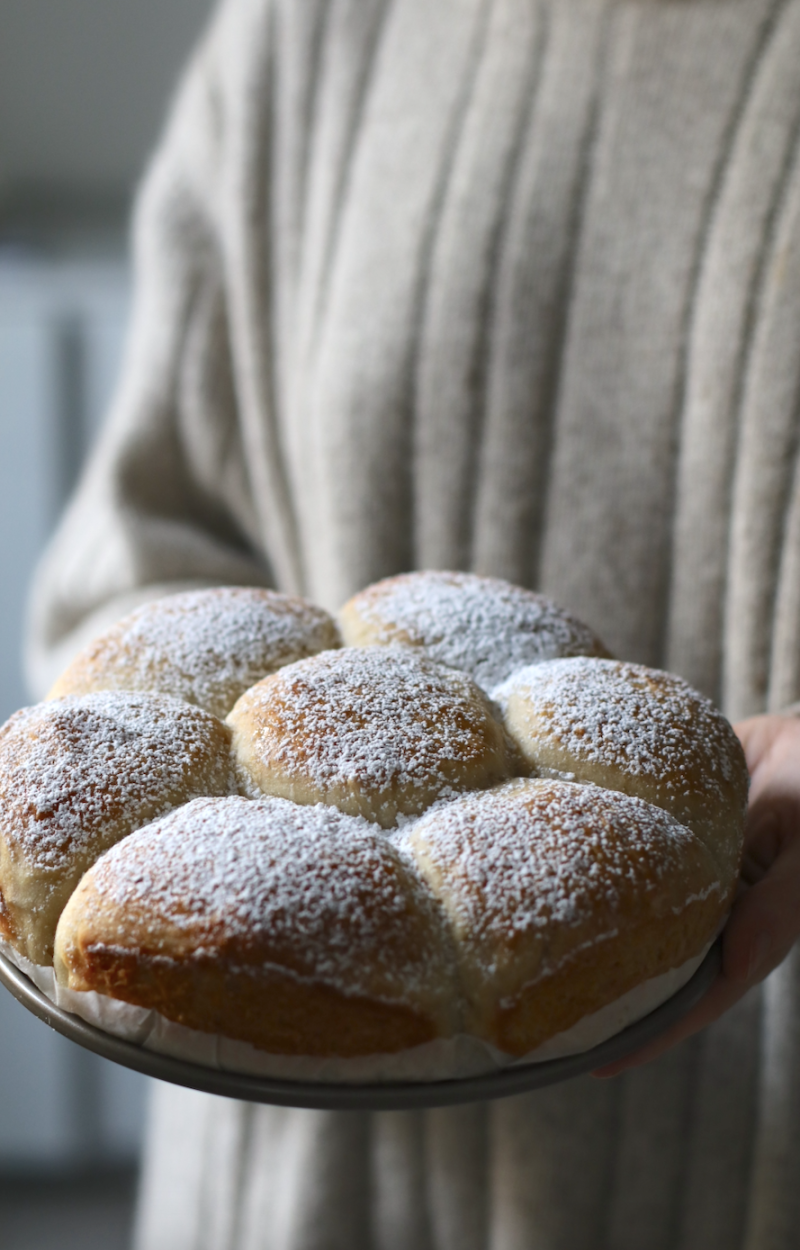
pixel 379 1096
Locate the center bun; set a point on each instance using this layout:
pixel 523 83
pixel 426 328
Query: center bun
pixel 380 732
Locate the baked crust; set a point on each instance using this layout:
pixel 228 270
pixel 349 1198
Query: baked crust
pixel 637 730
pixel 300 930
pixel 481 625
pixel 506 909
pixel 206 647
pixel 561 898
pixel 76 775
pixel 379 732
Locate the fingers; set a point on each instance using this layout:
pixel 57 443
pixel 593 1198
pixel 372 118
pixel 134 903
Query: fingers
pixel 765 921
pixel 762 847
pixel 772 750
pixel 757 735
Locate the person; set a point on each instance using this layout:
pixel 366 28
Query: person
pixel 510 286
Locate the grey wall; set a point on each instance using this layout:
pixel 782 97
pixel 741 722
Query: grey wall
pixel 84 85
pixel 83 88
pixel 62 328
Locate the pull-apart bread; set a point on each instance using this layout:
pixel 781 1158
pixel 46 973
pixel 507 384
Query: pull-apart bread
pixel 468 820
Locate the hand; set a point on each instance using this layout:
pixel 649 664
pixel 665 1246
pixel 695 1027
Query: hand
pixel 765 920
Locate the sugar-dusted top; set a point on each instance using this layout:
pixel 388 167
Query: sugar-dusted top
pixel 538 855
pixel 644 721
pixel 483 625
pixel 322 893
pixel 73 766
pixel 205 646
pixel 374 717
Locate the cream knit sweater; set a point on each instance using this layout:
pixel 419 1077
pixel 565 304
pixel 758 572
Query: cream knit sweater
pixel 509 285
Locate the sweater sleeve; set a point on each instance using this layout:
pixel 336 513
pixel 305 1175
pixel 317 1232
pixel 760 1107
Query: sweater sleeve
pixel 166 502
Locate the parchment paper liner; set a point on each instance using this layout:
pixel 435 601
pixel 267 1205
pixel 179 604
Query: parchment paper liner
pixel 445 1059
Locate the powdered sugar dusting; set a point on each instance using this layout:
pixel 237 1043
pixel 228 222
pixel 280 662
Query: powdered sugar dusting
pixel 75 765
pixel 483 625
pixel 646 722
pixel 327 894
pixel 208 646
pixel 534 855
pixel 384 720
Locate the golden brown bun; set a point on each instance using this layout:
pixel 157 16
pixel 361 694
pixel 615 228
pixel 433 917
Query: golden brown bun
pixel 375 731
pixel 482 625
pixel 206 646
pixel 78 774
pixel 299 930
pixel 561 899
pixel 510 912
pixel 638 730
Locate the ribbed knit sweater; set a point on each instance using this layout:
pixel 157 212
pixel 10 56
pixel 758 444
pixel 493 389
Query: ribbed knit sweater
pixel 507 285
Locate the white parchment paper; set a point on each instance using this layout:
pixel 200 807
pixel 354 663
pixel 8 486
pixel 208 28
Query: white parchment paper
pixel 445 1059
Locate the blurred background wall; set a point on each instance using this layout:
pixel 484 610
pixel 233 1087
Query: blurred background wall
pixel 83 88
pixel 84 85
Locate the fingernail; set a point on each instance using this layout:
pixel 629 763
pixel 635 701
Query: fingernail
pixel 759 953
